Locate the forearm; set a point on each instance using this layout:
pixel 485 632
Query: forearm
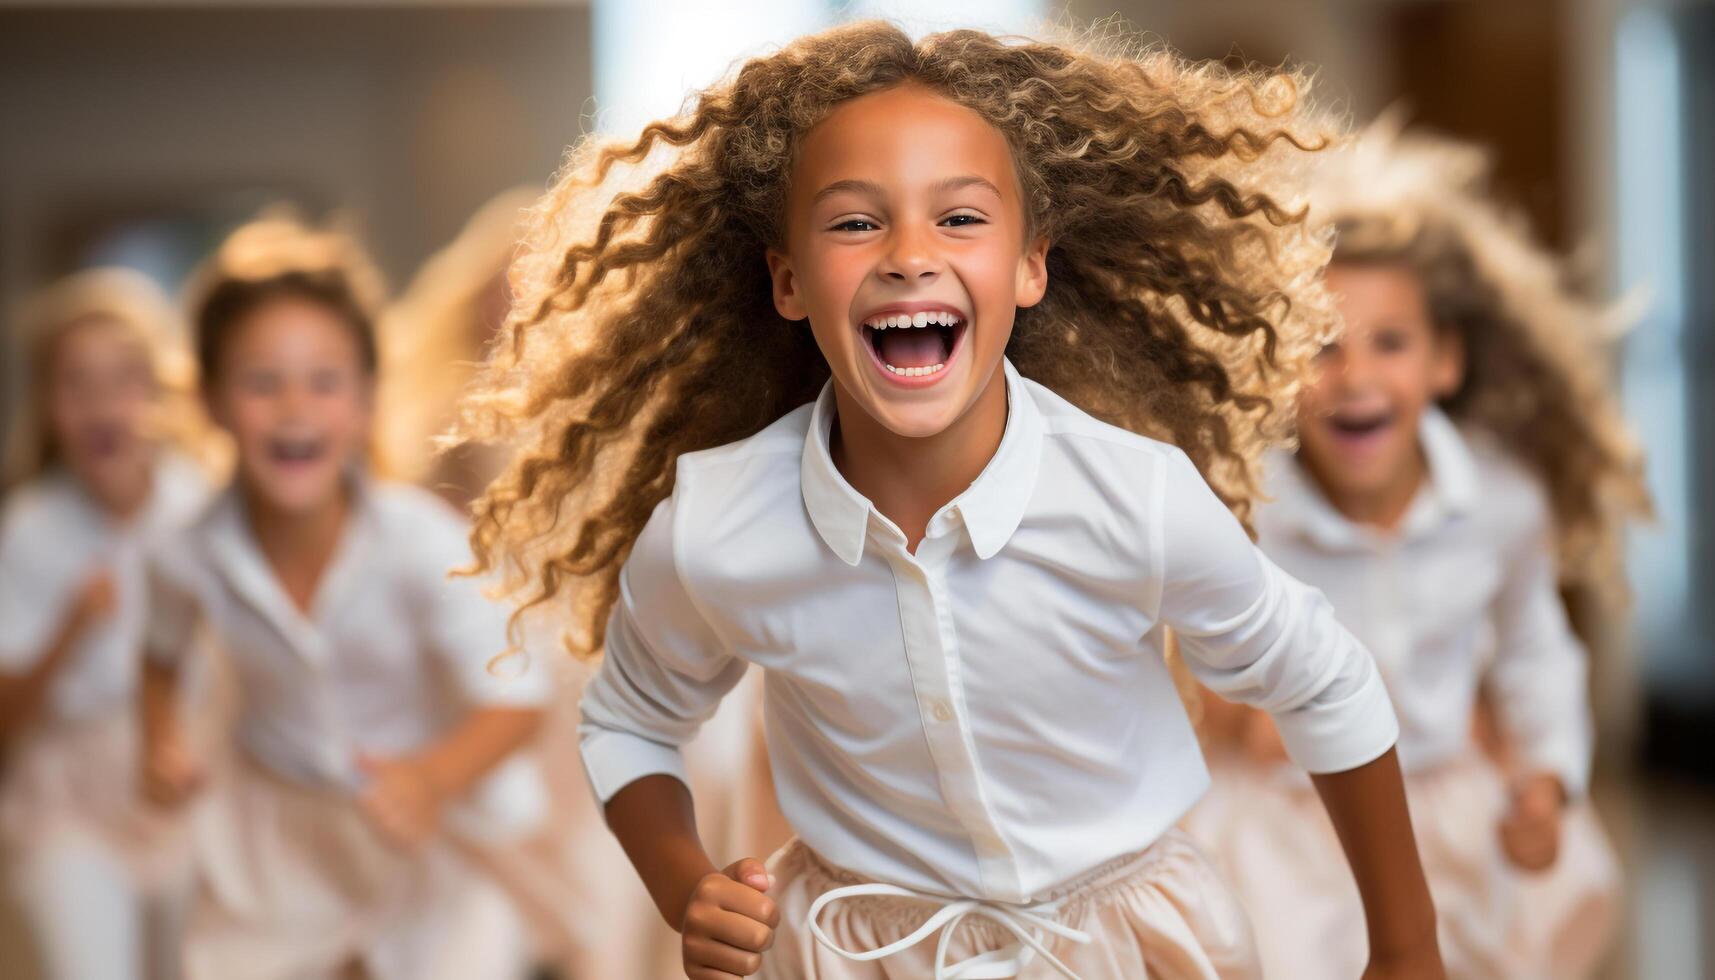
pixel 23 694
pixel 480 742
pixel 656 824
pixel 1368 809
pixel 159 702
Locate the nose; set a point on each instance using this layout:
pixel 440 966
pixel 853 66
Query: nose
pixel 911 256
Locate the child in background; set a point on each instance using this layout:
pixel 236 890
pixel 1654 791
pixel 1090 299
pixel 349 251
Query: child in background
pixel 1460 463
pixel 590 916
pixel 96 468
pixel 955 578
pixel 374 736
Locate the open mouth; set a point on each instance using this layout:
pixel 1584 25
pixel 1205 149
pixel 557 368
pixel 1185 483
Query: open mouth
pixel 296 452
pixel 914 345
pixel 1354 425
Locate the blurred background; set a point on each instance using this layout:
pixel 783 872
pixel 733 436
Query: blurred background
pixel 138 133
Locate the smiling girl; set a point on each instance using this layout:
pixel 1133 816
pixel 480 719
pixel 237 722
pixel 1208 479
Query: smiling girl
pixel 906 378
pixel 1460 463
pixel 373 736
pixel 96 468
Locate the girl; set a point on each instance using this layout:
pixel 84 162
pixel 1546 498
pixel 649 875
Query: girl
pixel 373 735
pixel 566 878
pixel 955 579
pixel 1459 460
pixel 94 471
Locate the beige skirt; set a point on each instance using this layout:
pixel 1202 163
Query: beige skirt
pixel 80 782
pixel 1265 827
pixel 295 883
pixel 1161 913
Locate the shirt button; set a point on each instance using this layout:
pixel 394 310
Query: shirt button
pixel 943 710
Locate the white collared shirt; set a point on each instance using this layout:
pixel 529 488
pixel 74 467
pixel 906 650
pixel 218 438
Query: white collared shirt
pixel 391 654
pixel 1470 570
pixel 991 716
pixel 53 537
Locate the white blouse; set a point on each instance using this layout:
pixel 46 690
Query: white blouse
pixel 1463 593
pixel 390 656
pixel 991 716
pixel 53 537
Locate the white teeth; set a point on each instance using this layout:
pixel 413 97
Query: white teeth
pixel 916 372
pixel 915 320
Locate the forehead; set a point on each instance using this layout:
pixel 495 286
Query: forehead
pixel 97 335
pixel 291 324
pixel 904 133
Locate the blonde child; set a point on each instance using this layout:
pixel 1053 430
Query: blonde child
pixel 97 466
pixel 374 736
pixel 825 394
pixel 1460 463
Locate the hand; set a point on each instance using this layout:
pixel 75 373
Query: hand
pixel 1530 831
pixel 171 772
pixel 401 800
pixel 1260 740
pixel 97 599
pixel 729 923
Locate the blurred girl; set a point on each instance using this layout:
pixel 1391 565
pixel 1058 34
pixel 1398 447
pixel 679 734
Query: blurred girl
pixel 592 918
pixel 95 470
pixel 769 415
pixel 1460 462
pixel 373 734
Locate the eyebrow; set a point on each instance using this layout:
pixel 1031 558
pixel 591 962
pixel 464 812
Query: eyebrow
pixel 872 189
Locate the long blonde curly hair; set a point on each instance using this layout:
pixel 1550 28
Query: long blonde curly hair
pixel 130 299
pixel 1536 375
pixel 1184 296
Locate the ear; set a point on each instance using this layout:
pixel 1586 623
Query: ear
pixel 1032 280
pixel 786 297
pixel 1448 371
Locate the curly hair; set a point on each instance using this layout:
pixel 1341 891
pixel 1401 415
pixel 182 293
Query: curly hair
pixel 1184 298
pixel 1536 374
pixel 131 300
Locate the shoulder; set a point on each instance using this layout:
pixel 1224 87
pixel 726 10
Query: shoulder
pixel 414 522
pixel 34 513
pixel 1513 499
pixel 757 459
pixel 1109 452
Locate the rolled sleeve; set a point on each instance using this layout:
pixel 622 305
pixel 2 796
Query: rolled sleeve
pixel 663 673
pixel 1540 670
pixel 1255 635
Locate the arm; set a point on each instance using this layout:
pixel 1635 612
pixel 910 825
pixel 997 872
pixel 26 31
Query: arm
pixel 24 692
pixel 1538 683
pixel 1254 635
pixel 171 772
pixel 405 795
pixel 1367 807
pixel 664 672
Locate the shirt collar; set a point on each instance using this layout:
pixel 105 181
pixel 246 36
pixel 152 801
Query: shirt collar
pixel 1451 489
pixel 991 507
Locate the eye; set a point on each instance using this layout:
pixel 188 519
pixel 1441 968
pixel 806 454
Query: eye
pixel 855 224
pixel 961 220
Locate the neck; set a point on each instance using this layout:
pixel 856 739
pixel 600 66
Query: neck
pixel 909 479
pixel 1383 507
pixel 123 499
pixel 296 537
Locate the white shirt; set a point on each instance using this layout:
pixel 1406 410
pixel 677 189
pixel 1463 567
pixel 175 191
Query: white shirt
pixel 1470 569
pixel 53 537
pixel 991 716
pixel 390 656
